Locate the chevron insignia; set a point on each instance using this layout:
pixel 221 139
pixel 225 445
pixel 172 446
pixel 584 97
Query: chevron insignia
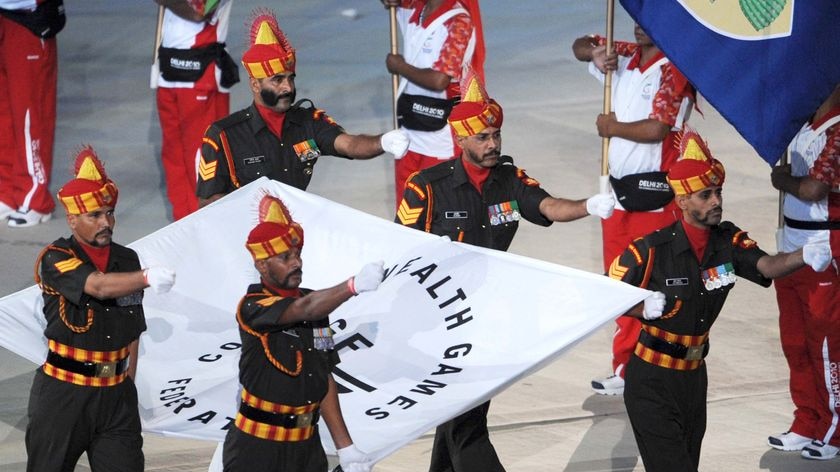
pixel 407 215
pixel 68 264
pixel 617 270
pixel 206 170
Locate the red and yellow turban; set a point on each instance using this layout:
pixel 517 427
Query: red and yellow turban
pixel 696 169
pixel 477 111
pixel 276 232
pixel 91 189
pixel 270 52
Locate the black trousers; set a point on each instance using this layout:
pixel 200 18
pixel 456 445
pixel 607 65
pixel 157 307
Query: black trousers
pixel 462 444
pixel 245 453
pixel 667 409
pixel 66 420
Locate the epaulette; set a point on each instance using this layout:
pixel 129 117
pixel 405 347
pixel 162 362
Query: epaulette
pixel 661 236
pixel 232 119
pixel 439 171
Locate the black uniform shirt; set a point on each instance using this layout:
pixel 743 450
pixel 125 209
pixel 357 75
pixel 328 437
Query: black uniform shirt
pixel 441 200
pixel 116 321
pixel 243 140
pixel 260 311
pixel 695 291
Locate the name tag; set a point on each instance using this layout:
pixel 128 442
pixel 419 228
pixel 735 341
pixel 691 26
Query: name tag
pixel 455 215
pixel 676 282
pixel 253 160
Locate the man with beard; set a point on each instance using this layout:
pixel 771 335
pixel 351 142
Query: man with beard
pixel 479 199
pixel 287 357
pixel 83 398
pixel 276 136
pixel 691 266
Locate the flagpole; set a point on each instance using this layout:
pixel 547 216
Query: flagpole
pixel 780 230
pixel 605 142
pixel 395 79
pixel 153 79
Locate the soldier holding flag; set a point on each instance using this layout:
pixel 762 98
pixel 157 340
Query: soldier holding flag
pixel 479 198
pixel 276 136
pixel 691 265
pixel 287 357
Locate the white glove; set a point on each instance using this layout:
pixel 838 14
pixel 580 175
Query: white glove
pixel 601 204
pixel 395 142
pixel 354 460
pixel 368 278
pixel 654 304
pixel 818 256
pixel 159 278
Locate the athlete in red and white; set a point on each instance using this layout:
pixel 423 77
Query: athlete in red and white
pixel 440 38
pixel 651 100
pixel 28 78
pixel 186 108
pixel 809 301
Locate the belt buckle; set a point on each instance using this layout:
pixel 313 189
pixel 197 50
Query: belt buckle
pixel 105 369
pixel 694 353
pixel 304 420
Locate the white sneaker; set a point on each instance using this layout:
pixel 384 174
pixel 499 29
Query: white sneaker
pixel 22 219
pixel 5 211
pixel 820 451
pixel 612 385
pixel 788 441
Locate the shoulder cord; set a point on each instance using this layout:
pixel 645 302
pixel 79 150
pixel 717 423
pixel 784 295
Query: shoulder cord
pixel 62 302
pixel 429 205
pixel 264 340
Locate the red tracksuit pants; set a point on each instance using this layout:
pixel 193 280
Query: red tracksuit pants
pixel 28 76
pixel 809 326
pixel 185 114
pixel 619 231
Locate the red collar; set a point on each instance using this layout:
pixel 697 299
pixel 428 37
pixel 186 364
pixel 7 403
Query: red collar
pixel 476 175
pixel 443 8
pixel 636 60
pixel 274 120
pixel 293 293
pixel 698 238
pixel 98 255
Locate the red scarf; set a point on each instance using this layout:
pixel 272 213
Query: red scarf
pixel 98 255
pixel 285 293
pixel 274 120
pixel 477 175
pixel 698 238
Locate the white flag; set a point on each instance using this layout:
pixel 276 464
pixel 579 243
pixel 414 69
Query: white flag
pixel 451 326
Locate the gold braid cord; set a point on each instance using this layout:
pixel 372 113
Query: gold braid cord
pixel 62 302
pixel 264 340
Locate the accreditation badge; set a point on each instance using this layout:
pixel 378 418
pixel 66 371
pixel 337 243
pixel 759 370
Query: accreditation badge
pixel 307 150
pixel 506 212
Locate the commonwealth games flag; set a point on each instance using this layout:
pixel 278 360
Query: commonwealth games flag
pixel 765 65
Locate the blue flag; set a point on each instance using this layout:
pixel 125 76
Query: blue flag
pixel 765 65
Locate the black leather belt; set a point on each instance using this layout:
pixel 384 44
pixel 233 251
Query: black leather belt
pixel 677 351
pixel 283 420
pixel 88 369
pixel 812 225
